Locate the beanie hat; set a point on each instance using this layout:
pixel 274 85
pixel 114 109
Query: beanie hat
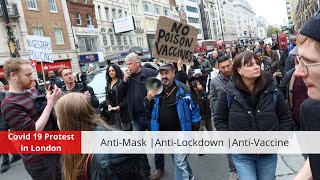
pixel 311 28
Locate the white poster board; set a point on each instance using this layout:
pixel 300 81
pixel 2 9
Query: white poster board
pixel 39 48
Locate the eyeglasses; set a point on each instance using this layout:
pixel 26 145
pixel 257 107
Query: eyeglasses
pixel 298 60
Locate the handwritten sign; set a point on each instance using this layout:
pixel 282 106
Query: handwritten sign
pixel 174 40
pixel 39 48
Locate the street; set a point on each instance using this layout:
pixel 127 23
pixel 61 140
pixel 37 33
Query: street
pixel 213 166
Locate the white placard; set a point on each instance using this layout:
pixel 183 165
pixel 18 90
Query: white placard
pixel 40 48
pixel 123 24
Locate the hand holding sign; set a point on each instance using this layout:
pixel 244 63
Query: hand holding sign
pixel 174 40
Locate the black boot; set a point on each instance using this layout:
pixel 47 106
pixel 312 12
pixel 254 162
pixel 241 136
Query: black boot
pixel 5 163
pixel 15 157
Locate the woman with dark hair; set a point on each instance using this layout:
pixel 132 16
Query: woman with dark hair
pixel 252 103
pixel 116 106
pixel 274 58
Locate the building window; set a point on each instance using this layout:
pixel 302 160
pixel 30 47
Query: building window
pixel 104 36
pixel 125 42
pixel 88 18
pixel 125 14
pixel 99 13
pixel 138 26
pixel 106 9
pixel 59 36
pixel 113 13
pixel 157 9
pixel 193 20
pixel 130 40
pixel 110 32
pixel 32 4
pixel 53 5
pixel 87 44
pixel 193 0
pixel 147 7
pixel 192 9
pixel 37 31
pixel 119 39
pixel 78 18
pixel 166 11
pixel 85 1
pixel 120 13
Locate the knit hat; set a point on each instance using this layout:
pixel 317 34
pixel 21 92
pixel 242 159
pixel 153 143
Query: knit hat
pixel 311 28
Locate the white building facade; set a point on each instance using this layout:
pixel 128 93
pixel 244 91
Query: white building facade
pixel 245 21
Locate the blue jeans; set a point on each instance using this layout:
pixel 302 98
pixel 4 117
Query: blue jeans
pixel 182 167
pixel 255 167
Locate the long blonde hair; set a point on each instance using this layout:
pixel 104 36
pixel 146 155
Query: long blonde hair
pixel 75 113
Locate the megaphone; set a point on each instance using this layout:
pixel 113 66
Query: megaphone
pixel 154 84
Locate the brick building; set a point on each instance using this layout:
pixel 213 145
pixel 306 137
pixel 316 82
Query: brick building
pixel 86 34
pixel 47 19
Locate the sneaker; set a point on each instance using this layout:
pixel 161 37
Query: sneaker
pixel 5 165
pixel 15 158
pixel 158 174
pixel 233 176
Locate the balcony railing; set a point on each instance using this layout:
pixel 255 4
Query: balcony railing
pixel 12 10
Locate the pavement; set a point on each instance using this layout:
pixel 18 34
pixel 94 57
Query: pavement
pixel 207 167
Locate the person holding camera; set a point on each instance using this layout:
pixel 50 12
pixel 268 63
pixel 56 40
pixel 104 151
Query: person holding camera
pixel 19 111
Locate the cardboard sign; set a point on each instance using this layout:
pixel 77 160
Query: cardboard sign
pixel 40 48
pixel 174 40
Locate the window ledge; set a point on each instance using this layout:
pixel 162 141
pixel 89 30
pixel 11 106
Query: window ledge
pixel 55 12
pixel 30 9
pixel 61 44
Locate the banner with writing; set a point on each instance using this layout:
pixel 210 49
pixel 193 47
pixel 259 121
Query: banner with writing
pixel 39 48
pixel 174 40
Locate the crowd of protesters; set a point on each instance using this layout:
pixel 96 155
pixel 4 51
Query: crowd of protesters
pixel 236 89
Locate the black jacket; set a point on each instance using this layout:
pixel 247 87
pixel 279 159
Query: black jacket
pixel 202 100
pixel 252 113
pixel 81 88
pixel 3 124
pixel 135 90
pixel 121 102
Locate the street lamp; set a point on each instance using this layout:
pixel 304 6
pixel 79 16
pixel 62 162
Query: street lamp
pixel 220 17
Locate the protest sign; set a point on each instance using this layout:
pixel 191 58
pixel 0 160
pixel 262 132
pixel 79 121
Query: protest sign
pixel 40 48
pixel 174 40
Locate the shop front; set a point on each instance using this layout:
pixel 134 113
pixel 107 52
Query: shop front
pixel 88 60
pixel 55 66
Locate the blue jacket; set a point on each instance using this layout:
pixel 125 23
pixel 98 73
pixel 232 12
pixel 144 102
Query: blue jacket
pixel 188 111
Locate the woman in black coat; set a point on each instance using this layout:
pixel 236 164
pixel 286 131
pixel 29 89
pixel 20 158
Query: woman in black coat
pixel 117 107
pixel 252 103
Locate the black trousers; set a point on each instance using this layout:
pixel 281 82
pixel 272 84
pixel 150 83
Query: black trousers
pixel 47 168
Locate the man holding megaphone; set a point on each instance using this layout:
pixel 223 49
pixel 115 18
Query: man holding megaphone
pixel 172 115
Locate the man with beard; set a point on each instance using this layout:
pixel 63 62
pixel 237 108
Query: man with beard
pixel 218 85
pixel 18 109
pixel 168 113
pixel 54 79
pixel 71 86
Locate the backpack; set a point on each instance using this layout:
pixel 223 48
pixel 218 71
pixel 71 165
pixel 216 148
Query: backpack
pixel 274 98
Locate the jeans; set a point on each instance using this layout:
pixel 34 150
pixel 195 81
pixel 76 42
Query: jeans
pixel 255 167
pixel 182 167
pixel 141 124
